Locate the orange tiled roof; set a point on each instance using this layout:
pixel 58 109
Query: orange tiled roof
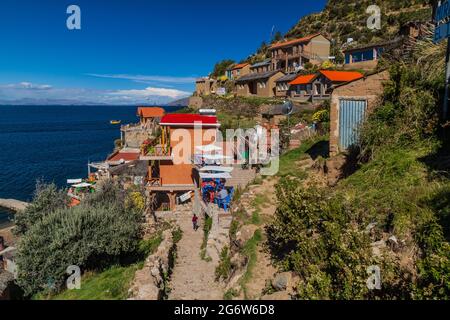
pixel 303 79
pixel 342 76
pixel 295 41
pixel 151 112
pixel 239 66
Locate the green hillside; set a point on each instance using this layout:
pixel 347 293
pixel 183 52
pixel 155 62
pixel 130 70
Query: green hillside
pixel 348 19
pixel 341 20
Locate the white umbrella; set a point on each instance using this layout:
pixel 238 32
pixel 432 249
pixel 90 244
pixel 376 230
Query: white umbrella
pixel 82 185
pixel 216 168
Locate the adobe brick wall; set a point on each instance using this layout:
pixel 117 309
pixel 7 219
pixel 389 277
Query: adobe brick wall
pixel 369 89
pixel 179 174
pixel 320 46
pixel 242 90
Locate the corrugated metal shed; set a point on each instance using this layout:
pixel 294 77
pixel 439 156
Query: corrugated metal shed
pixel 351 116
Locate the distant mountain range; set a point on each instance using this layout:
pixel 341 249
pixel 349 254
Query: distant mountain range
pixel 68 102
pixel 179 103
pixel 44 102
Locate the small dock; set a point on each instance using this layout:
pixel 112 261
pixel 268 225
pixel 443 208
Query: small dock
pixel 13 205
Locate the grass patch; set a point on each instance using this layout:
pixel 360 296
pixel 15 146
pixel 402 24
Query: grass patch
pixel 206 229
pixel 256 218
pixel 177 234
pixel 260 200
pixel 149 246
pixel 288 165
pixel 234 228
pixel 223 270
pixel 232 121
pixel 230 294
pixel 111 284
pixel 388 190
pixel 250 251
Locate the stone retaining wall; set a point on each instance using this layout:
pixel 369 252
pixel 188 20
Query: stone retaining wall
pixel 149 282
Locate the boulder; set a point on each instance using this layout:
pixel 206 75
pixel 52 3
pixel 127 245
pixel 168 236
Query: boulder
pixel 335 170
pixel 282 281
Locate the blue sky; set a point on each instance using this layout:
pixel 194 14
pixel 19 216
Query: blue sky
pixel 129 52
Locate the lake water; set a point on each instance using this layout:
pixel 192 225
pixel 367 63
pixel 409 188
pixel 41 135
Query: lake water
pixel 54 143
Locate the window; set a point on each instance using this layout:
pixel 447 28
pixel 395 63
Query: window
pixel 283 87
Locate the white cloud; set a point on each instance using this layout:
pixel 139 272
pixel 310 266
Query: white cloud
pixel 27 92
pixel 152 92
pixel 145 78
pixel 27 86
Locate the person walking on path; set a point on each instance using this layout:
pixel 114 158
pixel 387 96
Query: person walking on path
pixel 195 222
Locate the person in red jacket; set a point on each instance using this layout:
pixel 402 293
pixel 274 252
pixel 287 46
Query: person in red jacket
pixel 195 222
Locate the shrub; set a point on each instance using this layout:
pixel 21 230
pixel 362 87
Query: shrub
pixel 315 236
pixel 223 270
pixel 97 233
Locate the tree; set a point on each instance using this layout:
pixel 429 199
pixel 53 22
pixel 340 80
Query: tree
pixel 221 67
pixel 277 37
pixel 47 198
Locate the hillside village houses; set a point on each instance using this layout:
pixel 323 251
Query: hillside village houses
pixel 291 56
pixel 282 74
pixel 237 71
pixel 273 76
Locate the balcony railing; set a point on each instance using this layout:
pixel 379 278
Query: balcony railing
pixel 295 55
pixel 156 150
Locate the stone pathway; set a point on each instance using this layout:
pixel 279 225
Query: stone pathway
pixel 192 277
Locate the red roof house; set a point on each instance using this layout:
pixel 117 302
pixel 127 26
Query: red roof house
pixel 320 85
pixel 189 120
pixel 151 112
pixel 126 156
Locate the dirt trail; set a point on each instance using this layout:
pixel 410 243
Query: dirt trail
pixel 192 277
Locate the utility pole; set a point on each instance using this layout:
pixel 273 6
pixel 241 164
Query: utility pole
pixel 447 82
pixel 441 14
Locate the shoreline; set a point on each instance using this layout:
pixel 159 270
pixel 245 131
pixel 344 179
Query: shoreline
pixel 13 205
